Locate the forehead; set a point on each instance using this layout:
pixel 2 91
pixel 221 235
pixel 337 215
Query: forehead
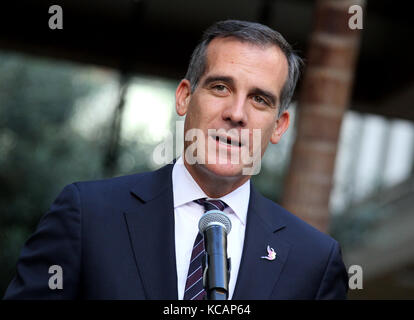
pixel 246 61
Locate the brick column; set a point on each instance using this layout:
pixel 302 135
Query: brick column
pixel 323 100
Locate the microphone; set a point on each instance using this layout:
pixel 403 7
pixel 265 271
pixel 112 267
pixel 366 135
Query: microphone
pixel 215 226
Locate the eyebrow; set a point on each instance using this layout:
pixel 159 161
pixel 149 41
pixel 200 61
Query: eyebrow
pixel 213 78
pixel 270 96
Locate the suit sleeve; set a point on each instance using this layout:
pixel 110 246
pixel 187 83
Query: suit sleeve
pixel 334 284
pixel 56 242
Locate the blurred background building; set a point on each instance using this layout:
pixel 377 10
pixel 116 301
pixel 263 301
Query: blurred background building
pixel 94 99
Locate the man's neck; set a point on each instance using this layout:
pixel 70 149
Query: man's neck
pixel 214 186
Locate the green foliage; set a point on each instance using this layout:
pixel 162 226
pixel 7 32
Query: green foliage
pixel 40 152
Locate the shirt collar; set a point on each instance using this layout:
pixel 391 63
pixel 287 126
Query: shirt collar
pixel 186 189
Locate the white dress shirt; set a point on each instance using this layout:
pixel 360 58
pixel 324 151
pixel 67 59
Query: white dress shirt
pixel 187 214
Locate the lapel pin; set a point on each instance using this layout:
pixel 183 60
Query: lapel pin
pixel 271 254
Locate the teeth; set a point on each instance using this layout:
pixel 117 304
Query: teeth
pixel 224 140
pixel 228 141
pixel 235 143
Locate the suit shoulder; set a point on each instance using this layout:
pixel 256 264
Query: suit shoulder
pixel 299 228
pixel 111 184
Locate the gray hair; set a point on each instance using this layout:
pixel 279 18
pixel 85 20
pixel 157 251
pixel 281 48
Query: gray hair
pixel 250 32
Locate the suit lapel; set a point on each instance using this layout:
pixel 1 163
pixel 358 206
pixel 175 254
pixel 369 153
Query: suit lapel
pixel 257 277
pixel 151 231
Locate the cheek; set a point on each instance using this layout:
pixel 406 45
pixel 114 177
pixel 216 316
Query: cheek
pixel 193 116
pixel 266 126
pixel 265 139
pixel 207 112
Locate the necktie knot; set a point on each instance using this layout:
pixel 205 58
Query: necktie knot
pixel 211 204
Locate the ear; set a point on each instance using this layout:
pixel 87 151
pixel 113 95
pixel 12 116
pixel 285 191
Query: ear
pixel 182 97
pixel 282 124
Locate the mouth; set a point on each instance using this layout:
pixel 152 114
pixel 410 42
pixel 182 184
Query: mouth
pixel 228 141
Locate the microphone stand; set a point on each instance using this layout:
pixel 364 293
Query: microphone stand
pixel 215 281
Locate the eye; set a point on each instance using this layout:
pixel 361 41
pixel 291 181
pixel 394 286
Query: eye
pixel 260 100
pixel 219 87
pixel 220 90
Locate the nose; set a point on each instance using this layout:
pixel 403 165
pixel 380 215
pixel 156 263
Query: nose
pixel 235 112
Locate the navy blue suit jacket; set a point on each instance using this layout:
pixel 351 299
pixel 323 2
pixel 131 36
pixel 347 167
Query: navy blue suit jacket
pixel 114 239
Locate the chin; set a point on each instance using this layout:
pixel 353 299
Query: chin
pixel 225 170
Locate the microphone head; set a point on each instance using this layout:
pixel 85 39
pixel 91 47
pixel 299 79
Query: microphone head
pixel 214 218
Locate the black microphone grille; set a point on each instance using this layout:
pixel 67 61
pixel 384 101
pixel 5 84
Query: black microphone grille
pixel 214 217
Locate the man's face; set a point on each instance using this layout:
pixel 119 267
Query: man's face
pixel 239 91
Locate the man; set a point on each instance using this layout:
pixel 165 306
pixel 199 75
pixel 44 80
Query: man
pixel 135 237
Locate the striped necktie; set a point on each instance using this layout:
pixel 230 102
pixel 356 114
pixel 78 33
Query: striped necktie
pixel 194 289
